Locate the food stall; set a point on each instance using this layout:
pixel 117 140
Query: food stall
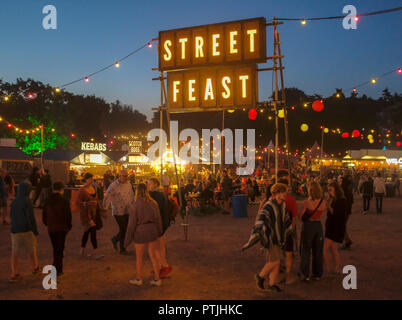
pixel 374 160
pixel 17 163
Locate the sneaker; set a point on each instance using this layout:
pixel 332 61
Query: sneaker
pixel 114 242
pixel 304 279
pixel 273 288
pixel 316 278
pixel 136 282
pixel 15 278
pixel 290 279
pixel 165 271
pixel 99 256
pixel 259 282
pixel 156 283
pixel 36 270
pixel 345 247
pixel 124 252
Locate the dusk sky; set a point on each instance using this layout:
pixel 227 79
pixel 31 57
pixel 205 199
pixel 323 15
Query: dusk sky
pixel 319 57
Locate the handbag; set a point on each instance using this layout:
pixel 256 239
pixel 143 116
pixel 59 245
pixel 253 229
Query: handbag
pixel 307 216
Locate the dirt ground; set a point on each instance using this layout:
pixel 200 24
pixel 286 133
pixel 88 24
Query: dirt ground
pixel 210 265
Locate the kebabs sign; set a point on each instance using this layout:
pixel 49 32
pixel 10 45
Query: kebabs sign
pixel 212 67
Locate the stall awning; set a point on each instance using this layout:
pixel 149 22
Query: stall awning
pixel 13 153
pixel 61 155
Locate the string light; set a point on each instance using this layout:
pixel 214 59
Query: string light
pixel 303 22
pixel 86 79
pixel 340 17
pixel 117 64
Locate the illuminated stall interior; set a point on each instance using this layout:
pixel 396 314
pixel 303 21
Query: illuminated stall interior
pixel 373 159
pixel 138 163
pixel 95 162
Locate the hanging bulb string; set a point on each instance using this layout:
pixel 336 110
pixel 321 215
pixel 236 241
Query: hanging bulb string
pixel 341 17
pixel 107 67
pixel 376 79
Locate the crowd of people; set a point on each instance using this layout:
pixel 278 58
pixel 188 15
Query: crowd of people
pixel 144 210
pixel 331 195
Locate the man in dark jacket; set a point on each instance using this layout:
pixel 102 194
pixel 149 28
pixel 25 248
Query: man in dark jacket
pixel 226 185
pixel 367 191
pixel 347 188
pixel 162 201
pixel 57 218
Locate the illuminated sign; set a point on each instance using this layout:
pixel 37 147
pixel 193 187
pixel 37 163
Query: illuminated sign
pixel 394 161
pixel 137 159
pixel 135 146
pixel 91 146
pixel 236 42
pixel 93 158
pixel 212 88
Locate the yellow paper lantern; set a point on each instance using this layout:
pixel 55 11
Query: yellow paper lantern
pixel 370 137
pixel 281 113
pixel 371 141
pixel 326 130
pixel 231 111
pixel 304 127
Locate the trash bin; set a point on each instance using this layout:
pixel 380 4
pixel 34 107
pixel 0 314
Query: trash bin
pixel 239 205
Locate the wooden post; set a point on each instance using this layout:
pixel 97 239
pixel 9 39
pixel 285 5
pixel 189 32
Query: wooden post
pixel 222 141
pixel 41 149
pixel 276 102
pixel 285 111
pixel 185 223
pixel 161 124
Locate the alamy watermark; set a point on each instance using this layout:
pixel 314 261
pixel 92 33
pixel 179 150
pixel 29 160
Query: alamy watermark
pixel 50 20
pixel 50 280
pixel 190 151
pixel 350 281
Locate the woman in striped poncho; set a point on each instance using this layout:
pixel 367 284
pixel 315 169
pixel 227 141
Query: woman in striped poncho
pixel 272 226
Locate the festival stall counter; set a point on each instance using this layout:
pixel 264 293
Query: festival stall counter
pixel 137 164
pixel 94 162
pixel 374 159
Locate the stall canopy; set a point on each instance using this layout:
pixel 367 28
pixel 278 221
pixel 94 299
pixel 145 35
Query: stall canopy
pixel 13 153
pixel 79 157
pixel 116 156
pixel 62 155
pixel 16 162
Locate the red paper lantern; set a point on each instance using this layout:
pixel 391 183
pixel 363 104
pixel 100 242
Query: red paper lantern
pixel 398 144
pixel 318 105
pixel 345 135
pixel 355 133
pixel 252 114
